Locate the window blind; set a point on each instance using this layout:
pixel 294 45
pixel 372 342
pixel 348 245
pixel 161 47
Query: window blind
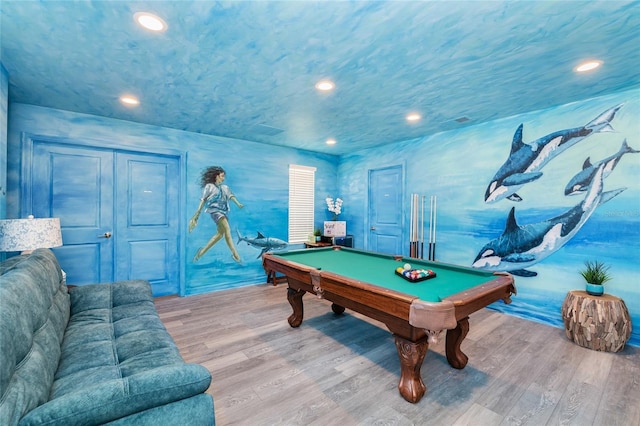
pixel 301 202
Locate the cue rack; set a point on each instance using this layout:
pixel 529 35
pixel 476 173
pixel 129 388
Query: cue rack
pixel 416 230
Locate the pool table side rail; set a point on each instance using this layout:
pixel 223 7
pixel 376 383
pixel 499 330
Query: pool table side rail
pixel 390 301
pixel 469 301
pixel 446 314
pixel 298 271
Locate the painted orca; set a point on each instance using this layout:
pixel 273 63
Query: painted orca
pixel 264 243
pixel 581 181
pixel 525 160
pixel 521 246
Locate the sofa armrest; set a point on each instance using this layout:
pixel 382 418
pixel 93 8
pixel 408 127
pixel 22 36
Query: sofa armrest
pixel 114 399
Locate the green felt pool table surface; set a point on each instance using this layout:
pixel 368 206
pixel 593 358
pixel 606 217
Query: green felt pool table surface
pixel 379 269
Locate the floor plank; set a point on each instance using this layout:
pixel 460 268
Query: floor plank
pixel 344 370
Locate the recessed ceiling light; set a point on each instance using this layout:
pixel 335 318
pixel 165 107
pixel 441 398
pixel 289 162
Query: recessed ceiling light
pixel 129 100
pixel 150 21
pixel 414 116
pixel 331 141
pixel 588 66
pixel 325 85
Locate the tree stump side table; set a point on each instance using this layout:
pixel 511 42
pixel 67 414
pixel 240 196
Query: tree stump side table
pixel 601 323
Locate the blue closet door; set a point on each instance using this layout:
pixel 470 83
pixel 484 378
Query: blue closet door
pixel 385 210
pixel 76 185
pixel 119 212
pixel 147 244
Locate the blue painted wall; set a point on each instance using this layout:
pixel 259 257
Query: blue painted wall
pixel 457 167
pixel 4 103
pixel 258 174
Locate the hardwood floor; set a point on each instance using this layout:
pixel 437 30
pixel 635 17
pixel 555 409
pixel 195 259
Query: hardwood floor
pixel 344 370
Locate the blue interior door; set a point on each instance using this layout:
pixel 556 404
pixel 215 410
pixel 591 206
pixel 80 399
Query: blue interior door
pixel 119 212
pixel 76 185
pixel 385 210
pixel 147 242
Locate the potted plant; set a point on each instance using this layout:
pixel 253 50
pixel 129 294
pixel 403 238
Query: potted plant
pixel 595 273
pixel 335 227
pixel 334 207
pixel 318 234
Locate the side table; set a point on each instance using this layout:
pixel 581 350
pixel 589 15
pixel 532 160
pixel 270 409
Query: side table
pixel 317 244
pixel 601 323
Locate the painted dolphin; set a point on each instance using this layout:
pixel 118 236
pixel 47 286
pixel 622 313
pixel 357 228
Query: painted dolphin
pixel 525 160
pixel 265 244
pixel 521 246
pixel 581 181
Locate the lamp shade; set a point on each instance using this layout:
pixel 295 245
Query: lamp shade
pixel 29 234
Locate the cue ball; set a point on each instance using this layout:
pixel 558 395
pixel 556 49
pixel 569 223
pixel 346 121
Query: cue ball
pixel 407 266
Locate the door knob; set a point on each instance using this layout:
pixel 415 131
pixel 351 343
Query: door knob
pixel 373 228
pixel 105 235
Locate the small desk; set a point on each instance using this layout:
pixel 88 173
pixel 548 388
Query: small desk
pixel 317 244
pixel 601 323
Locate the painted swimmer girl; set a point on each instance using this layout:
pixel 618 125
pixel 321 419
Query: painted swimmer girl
pixel 215 200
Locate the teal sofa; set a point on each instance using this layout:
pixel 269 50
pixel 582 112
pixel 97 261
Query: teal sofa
pixel 88 355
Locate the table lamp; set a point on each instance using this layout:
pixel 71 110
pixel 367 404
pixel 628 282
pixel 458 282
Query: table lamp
pixel 26 235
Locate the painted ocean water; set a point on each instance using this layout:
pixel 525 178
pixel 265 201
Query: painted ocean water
pixel 540 298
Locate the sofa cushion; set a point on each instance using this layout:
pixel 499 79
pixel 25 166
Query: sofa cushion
pixel 117 359
pixel 115 399
pixel 199 409
pixel 34 311
pixel 6 265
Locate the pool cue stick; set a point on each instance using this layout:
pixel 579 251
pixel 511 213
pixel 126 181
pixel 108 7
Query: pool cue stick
pixel 415 226
pixel 418 227
pixel 422 229
pixel 411 228
pixel 431 229
pixel 435 214
pixel 413 215
pixel 429 242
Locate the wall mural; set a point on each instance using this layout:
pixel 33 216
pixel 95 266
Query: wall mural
pixel 525 160
pixel 574 206
pixel 215 201
pixel 263 243
pixel 522 246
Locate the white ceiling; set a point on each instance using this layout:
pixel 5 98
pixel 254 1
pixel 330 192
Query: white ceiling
pixel 247 69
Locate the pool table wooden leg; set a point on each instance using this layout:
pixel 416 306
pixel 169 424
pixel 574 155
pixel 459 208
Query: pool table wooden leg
pixel 456 358
pixel 295 300
pixel 411 355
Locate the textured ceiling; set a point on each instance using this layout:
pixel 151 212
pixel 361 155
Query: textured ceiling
pixel 247 69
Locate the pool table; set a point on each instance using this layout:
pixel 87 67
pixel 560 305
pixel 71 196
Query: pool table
pixel 415 312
